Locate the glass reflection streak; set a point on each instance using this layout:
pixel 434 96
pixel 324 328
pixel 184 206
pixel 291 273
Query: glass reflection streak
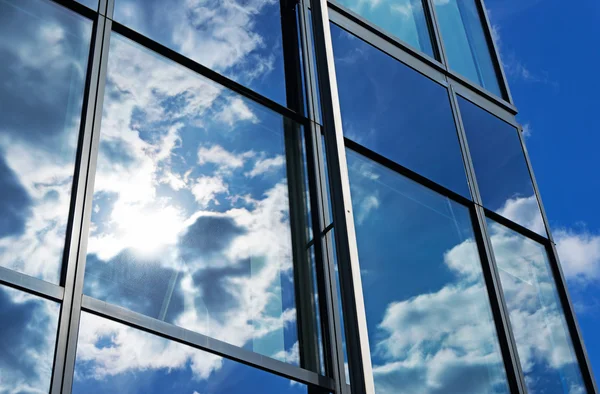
pixel 428 313
pixel 502 174
pixel 397 112
pixel 537 318
pixel 28 326
pixel 114 358
pixel 44 50
pixel 190 220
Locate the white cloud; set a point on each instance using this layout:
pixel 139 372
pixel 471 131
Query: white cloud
pixel 236 110
pixel 216 154
pixel 579 253
pixel 262 166
pixel 525 211
pixel 206 189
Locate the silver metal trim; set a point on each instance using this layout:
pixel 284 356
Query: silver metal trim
pixel 30 284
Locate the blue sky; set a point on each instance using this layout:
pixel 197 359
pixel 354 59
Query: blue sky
pixel 550 56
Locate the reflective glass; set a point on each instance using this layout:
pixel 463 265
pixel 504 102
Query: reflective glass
pixel 543 341
pixel 502 174
pixel 191 220
pixel 93 4
pixel 404 19
pixel 114 358
pixel 43 50
pixel 28 326
pixel 240 39
pixel 428 314
pixel 397 112
pixel 465 43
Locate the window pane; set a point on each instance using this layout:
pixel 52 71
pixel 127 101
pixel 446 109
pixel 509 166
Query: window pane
pixel 543 342
pixel 112 357
pixel 502 174
pixel 430 323
pixel 191 219
pixel 464 41
pixel 404 19
pixel 93 4
pixel 238 38
pixel 397 112
pixel 44 50
pixel 28 326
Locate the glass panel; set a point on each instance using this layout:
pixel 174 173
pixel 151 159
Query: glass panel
pixel 28 326
pixel 240 39
pixel 93 4
pixel 114 358
pixel 44 50
pixel 404 19
pixel 543 342
pixel 397 112
pixel 430 322
pixel 502 174
pixel 191 219
pixel 465 43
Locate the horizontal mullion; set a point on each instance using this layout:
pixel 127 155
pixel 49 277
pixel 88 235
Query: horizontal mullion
pixel 410 174
pixel 207 72
pixel 516 227
pixel 205 343
pixel 77 7
pixel 482 97
pixel 31 285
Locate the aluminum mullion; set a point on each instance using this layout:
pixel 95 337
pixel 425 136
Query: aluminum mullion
pixel 490 272
pixel 70 271
pixel 357 345
pixel 479 99
pixel 204 343
pixel 436 31
pixel 561 284
pixel 30 284
pixel 77 271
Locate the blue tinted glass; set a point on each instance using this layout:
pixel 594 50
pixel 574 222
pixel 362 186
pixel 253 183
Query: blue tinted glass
pixel 465 43
pixel 502 174
pixel 540 330
pixel 404 19
pixel 93 4
pixel 28 326
pixel 191 209
pixel 428 314
pixel 43 50
pixel 397 112
pixel 240 39
pixel 114 358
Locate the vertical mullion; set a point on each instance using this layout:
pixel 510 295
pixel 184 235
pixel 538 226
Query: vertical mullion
pixel 70 259
pixel 438 40
pixel 561 285
pixel 487 27
pixel 75 288
pixel 357 345
pixel 500 312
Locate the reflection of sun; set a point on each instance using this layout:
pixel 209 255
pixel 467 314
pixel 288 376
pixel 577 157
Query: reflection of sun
pixel 146 230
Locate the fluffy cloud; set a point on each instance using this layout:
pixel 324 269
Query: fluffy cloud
pixel 579 252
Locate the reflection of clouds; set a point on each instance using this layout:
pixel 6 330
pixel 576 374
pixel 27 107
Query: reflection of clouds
pixel 44 50
pixel 525 211
pixel 191 217
pixel 27 340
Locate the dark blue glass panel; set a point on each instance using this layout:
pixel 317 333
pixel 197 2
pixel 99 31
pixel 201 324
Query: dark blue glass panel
pixel 28 326
pixel 191 218
pixel 465 43
pixel 43 50
pixel 397 112
pixel 502 174
pixel 404 19
pixel 240 39
pixel 114 358
pixel 537 318
pixel 428 314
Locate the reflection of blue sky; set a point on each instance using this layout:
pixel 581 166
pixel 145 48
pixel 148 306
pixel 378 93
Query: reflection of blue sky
pixel 114 358
pixel 404 19
pixel 239 38
pixel 44 50
pixel 540 330
pixel 465 44
pixel 190 219
pixel 27 339
pixel 429 319
pixel 397 112
pixel 502 174
pixel 93 4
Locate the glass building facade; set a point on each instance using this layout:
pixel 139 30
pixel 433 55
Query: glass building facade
pixel 294 196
